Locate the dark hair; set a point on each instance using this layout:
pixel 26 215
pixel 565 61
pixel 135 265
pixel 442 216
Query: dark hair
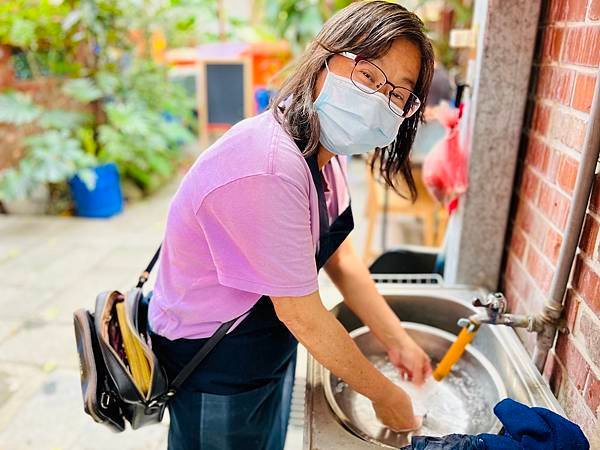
pixel 367 28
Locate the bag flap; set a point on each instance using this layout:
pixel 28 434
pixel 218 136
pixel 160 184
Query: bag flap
pixel 98 401
pixel 117 370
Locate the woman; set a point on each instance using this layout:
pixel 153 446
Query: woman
pixel 262 210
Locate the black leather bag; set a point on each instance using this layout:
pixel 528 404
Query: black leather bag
pixel 110 393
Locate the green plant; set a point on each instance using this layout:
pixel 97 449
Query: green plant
pixel 144 122
pixel 184 21
pixel 137 117
pixel 147 84
pixel 40 31
pixel 141 142
pixel 462 13
pixel 298 21
pixel 52 155
pixel 18 109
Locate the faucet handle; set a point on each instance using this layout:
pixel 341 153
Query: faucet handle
pixel 494 301
pixel 483 302
pixel 479 303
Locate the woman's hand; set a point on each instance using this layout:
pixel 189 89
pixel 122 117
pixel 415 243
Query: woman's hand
pixel 396 412
pixel 410 359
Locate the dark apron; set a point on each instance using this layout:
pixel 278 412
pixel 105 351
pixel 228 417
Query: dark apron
pixel 240 395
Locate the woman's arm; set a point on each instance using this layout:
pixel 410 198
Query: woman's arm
pixel 327 340
pixel 352 278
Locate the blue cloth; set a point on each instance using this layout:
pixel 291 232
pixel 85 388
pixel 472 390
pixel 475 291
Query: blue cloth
pixel 534 428
pixel 527 428
pixel 450 442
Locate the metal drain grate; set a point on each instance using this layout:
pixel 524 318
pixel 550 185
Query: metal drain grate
pixel 295 431
pixel 297 409
pixel 407 278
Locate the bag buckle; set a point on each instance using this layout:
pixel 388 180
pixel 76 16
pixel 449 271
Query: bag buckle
pixel 105 400
pixel 159 401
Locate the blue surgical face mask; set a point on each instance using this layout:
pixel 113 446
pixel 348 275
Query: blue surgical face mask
pixel 352 121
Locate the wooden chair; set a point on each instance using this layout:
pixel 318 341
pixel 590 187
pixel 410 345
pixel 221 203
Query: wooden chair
pixel 431 214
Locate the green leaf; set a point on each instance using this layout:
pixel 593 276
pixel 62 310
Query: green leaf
pixel 89 178
pixel 59 118
pixel 82 89
pixel 15 185
pixel 22 32
pixel 107 82
pixel 17 109
pixel 86 136
pixel 141 177
pixel 161 165
pixel 55 156
pixel 71 19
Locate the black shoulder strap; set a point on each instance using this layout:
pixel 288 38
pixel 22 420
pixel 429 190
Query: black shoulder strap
pixel 146 273
pixel 201 354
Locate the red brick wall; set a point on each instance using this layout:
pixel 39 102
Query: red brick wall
pixel 563 79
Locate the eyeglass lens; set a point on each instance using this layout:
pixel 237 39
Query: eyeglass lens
pixel 369 78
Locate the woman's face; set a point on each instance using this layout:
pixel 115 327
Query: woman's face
pixel 401 65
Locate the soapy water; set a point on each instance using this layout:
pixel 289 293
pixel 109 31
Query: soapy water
pixel 457 404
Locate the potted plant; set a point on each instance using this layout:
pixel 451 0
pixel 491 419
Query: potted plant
pixel 90 49
pixel 51 154
pixel 50 157
pixel 136 127
pixel 104 198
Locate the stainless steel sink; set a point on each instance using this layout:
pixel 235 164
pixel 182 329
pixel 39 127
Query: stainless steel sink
pixel 461 403
pixel 438 307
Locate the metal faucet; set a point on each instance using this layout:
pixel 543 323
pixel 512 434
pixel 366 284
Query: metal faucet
pixel 494 313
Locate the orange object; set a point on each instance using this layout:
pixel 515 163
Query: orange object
pixel 158 46
pixel 268 58
pixel 454 353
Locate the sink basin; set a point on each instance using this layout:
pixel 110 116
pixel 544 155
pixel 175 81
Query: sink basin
pixel 461 403
pixel 438 307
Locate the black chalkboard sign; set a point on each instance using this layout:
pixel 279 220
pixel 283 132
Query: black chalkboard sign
pixel 225 93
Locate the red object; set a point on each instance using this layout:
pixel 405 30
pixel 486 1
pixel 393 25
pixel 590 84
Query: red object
pixel 445 167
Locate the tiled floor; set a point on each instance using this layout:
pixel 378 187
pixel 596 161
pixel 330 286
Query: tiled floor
pixel 49 266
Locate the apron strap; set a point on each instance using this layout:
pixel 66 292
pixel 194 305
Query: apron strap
pixel 316 176
pixel 345 178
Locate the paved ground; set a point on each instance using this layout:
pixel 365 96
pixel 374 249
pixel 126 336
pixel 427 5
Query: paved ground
pixel 50 266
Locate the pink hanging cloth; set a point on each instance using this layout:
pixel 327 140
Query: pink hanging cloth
pixel 445 167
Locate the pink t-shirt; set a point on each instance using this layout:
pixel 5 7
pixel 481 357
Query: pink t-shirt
pixel 243 223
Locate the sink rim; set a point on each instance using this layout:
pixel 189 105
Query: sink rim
pixel 345 421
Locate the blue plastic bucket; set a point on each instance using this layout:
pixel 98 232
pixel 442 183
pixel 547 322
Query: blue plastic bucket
pixel 105 199
pixel 262 97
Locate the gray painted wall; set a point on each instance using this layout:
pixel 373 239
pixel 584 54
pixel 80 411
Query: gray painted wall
pixel 492 132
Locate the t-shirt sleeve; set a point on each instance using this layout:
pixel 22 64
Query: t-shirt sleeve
pixel 258 231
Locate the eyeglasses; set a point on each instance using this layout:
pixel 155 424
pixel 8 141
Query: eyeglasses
pixel 369 78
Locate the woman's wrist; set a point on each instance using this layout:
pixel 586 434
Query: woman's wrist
pixel 382 391
pixel 393 336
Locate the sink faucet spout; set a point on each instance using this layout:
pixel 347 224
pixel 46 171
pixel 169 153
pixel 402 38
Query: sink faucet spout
pixel 494 313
